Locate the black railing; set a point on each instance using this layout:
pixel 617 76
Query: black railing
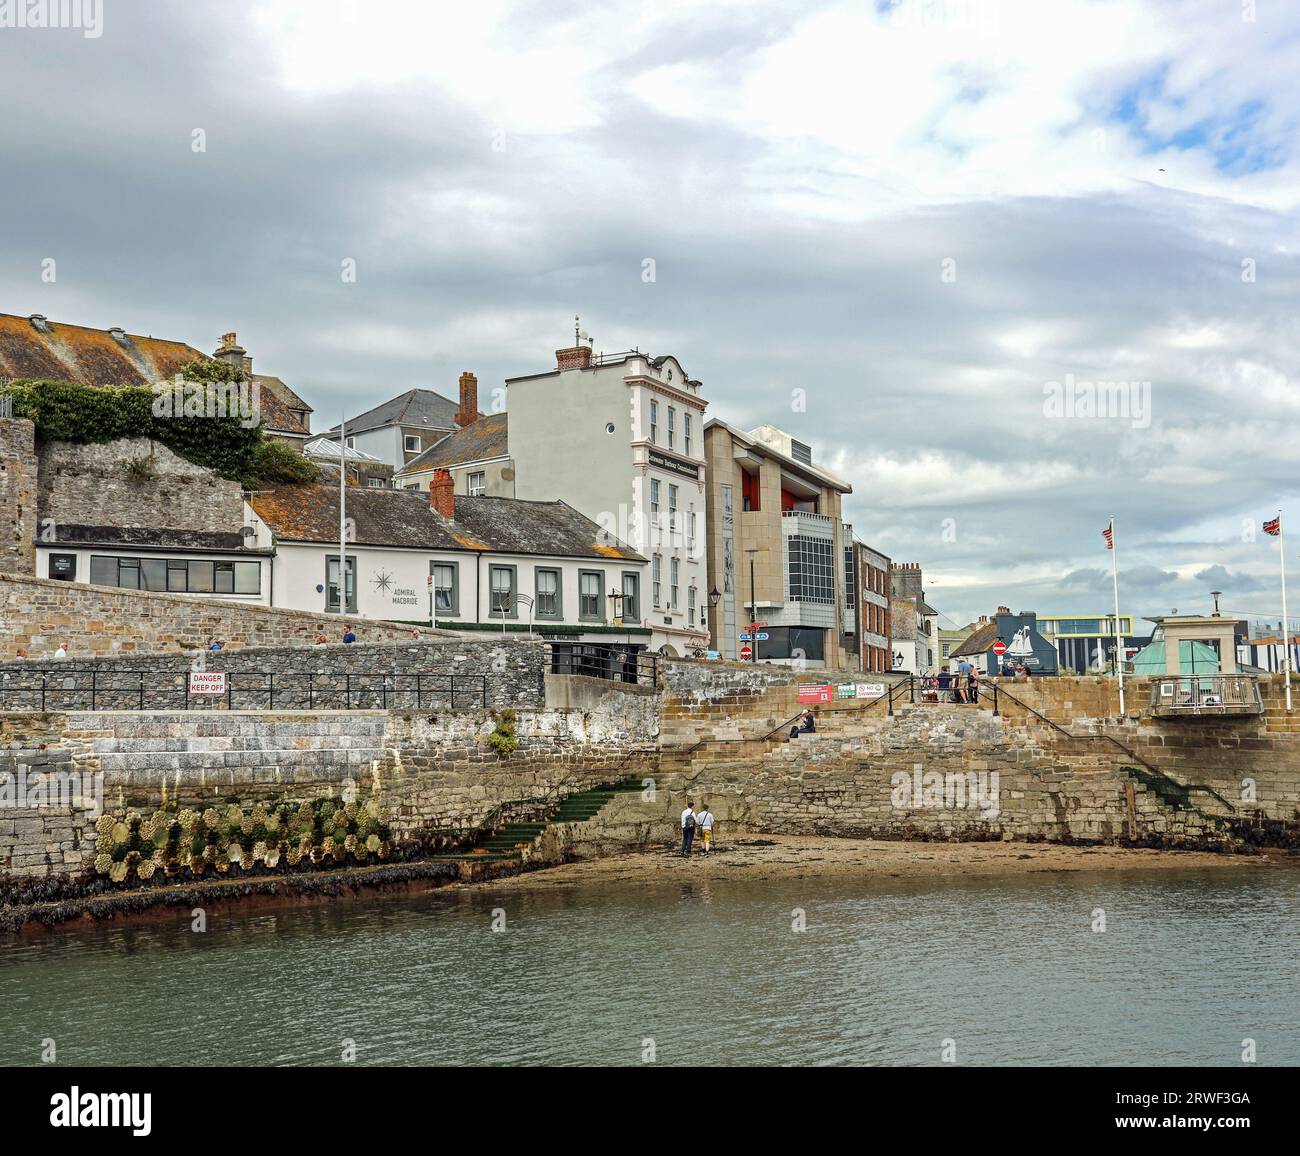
pixel 613 661
pixel 64 688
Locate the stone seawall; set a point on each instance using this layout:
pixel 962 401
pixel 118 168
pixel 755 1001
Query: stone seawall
pixel 432 776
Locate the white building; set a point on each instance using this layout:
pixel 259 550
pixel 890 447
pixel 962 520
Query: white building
pixel 464 561
pixel 621 439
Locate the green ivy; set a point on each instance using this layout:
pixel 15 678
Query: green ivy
pixel 65 411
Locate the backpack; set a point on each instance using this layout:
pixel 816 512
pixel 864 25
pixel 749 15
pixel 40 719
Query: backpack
pixel 689 823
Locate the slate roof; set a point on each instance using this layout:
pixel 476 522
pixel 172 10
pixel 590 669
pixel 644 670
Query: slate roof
pixel 399 518
pixel 88 356
pixel 145 536
pixel 516 526
pixel 280 406
pixel 415 407
pixel 488 437
pixel 404 519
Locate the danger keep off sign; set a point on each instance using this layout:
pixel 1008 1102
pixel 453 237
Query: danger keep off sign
pixel 207 682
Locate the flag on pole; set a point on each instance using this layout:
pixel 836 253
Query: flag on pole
pixel 1274 527
pixel 1109 534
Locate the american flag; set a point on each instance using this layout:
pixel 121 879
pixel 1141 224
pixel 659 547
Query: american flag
pixel 1109 534
pixel 1274 527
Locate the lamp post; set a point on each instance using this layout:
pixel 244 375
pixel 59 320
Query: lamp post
pixel 753 606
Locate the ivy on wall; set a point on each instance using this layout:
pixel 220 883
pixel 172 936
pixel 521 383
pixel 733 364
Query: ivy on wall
pixel 208 428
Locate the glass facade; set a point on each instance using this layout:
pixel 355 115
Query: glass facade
pixel 810 564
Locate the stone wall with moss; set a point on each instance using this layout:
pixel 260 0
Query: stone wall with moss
pixel 134 798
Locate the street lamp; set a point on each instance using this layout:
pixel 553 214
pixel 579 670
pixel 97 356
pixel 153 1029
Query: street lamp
pixel 714 596
pixel 753 605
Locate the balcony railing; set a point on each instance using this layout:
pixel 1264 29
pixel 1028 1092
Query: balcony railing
pixel 1205 694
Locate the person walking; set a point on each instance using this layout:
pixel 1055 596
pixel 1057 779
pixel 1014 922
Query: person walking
pixel 963 680
pixel 974 684
pixel 943 683
pixel 704 820
pixel 349 635
pixel 688 828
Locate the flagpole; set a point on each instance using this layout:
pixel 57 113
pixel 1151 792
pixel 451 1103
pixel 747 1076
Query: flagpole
pixel 343 515
pixel 1119 641
pixel 1286 623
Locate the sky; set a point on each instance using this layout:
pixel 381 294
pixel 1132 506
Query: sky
pixel 915 235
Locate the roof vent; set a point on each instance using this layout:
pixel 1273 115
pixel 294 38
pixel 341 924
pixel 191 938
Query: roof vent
pixel 118 334
pixel 39 323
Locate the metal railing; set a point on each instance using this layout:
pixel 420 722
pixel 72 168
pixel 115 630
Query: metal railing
pixel 618 663
pixel 66 688
pixel 1176 694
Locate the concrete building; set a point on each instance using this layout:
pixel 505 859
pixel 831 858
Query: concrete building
pixel 620 438
pixel 914 621
pixel 777 549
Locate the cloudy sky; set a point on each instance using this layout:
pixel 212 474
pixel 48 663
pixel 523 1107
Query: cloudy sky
pixel 901 231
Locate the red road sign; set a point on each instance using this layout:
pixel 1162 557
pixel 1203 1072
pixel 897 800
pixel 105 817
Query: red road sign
pixel 758 625
pixel 745 652
pixel 999 648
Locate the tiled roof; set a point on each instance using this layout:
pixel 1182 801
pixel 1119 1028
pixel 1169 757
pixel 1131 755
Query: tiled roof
pixel 415 407
pixel 488 437
pixel 401 518
pixel 515 526
pixel 96 357
pixel 978 642
pixel 89 356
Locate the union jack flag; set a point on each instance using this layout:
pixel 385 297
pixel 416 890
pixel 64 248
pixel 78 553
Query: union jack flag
pixel 1109 534
pixel 1274 527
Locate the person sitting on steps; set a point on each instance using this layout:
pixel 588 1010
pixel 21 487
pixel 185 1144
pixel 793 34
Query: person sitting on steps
pixel 807 725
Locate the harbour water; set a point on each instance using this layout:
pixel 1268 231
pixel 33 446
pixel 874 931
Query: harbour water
pixel 885 971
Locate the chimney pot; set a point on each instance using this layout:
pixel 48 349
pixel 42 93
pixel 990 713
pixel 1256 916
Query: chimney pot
pixel 442 494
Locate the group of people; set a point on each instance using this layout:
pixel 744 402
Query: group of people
pixel 349 636
pixel 961 685
pixel 692 821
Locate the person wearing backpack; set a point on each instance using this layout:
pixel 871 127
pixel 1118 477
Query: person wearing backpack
pixel 688 828
pixel 704 820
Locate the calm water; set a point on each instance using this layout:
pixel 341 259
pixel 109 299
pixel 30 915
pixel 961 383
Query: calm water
pixel 1190 965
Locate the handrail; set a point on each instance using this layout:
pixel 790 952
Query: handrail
pixel 1129 752
pixel 863 707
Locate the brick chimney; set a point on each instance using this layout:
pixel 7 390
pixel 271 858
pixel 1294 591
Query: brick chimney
pixel 442 494
pixel 576 357
pixel 468 412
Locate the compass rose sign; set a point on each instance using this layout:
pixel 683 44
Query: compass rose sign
pixel 382 581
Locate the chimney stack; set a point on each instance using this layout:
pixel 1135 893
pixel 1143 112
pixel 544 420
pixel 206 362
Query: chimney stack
pixel 231 352
pixel 576 357
pixel 468 412
pixel 442 491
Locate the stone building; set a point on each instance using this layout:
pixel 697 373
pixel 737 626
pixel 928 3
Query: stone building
pixel 35 347
pixel 914 621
